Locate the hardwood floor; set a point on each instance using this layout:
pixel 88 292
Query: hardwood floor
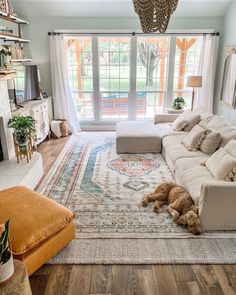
pixel 128 279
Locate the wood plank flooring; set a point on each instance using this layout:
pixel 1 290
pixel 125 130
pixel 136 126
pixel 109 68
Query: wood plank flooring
pixel 128 279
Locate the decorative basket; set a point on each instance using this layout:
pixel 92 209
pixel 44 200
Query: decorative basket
pixel 64 128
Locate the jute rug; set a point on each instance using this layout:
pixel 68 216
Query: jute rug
pixel 104 190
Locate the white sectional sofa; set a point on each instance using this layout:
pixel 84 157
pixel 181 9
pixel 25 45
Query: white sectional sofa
pixel 216 199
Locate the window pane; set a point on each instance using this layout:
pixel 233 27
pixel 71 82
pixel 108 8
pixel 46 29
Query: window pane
pixel 114 69
pixel 151 80
pixel 80 72
pixel 114 105
pixel 84 104
pixel 186 64
pixel 149 104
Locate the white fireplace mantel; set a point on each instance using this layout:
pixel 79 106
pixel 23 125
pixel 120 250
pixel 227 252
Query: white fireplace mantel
pixel 5 115
pixel 12 173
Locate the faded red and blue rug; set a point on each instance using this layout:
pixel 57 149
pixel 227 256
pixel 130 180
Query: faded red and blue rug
pixel 104 190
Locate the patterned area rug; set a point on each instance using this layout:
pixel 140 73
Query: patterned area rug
pixel 105 190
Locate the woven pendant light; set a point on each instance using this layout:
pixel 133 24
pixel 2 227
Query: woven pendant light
pixel 155 14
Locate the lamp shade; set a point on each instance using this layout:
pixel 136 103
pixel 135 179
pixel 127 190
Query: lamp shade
pixel 194 81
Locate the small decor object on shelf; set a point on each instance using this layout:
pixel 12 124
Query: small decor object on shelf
pixel 5 59
pixel 3 6
pixel 6 259
pixel 11 10
pixel 155 15
pixel 23 127
pixel 178 103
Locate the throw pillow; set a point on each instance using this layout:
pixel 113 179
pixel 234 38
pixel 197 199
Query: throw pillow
pixel 194 138
pixel 179 124
pixel 222 165
pixel 186 121
pixel 211 142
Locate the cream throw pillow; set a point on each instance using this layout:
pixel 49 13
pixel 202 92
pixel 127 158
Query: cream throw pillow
pixel 231 149
pixel 222 165
pixel 186 121
pixel 211 142
pixel 194 138
pixel 179 124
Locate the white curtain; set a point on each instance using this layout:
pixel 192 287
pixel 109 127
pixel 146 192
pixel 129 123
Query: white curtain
pixel 64 106
pixel 207 69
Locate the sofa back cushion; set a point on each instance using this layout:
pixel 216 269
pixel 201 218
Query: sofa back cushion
pixel 205 119
pixel 227 130
pixel 186 121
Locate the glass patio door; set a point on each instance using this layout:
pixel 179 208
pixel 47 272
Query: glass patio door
pixel 114 77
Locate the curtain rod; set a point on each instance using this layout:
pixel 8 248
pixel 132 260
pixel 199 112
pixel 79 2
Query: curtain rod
pixel 133 34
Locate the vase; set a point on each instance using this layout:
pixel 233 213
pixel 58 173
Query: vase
pixel 7 59
pixel 2 64
pixel 6 270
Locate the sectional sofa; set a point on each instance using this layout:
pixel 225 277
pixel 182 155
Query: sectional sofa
pixel 216 198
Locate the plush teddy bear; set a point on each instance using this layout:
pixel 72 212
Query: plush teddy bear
pixel 180 205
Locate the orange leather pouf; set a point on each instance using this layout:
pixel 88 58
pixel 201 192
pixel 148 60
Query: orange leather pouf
pixel 39 227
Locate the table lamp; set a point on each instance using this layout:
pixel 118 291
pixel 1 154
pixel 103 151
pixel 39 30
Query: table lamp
pixel 194 82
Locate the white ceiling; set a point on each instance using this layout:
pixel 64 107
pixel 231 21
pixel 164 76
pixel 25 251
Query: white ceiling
pixel 114 8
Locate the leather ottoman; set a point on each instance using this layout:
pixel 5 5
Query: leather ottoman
pixel 39 227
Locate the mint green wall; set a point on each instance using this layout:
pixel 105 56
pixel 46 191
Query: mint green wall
pixel 229 39
pixel 39 27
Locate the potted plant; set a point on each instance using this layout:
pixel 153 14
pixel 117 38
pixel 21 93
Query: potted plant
pixel 6 259
pixel 6 53
pixel 23 127
pixel 178 103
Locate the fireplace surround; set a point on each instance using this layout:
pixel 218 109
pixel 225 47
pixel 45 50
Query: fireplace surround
pixel 11 173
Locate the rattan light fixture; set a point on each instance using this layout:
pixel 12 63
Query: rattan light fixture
pixel 155 14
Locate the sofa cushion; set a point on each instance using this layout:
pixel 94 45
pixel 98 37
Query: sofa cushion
pixel 205 119
pixel 33 217
pixel 186 121
pixel 194 138
pixel 222 165
pixel 211 142
pixel 221 125
pixel 231 148
pixel 191 175
pixel 174 150
pixel 166 129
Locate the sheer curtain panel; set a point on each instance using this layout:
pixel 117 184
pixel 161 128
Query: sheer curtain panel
pixel 64 106
pixel 207 69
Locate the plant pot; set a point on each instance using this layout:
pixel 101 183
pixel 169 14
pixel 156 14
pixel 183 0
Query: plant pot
pixel 6 271
pixel 21 140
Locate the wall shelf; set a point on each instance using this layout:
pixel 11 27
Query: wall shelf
pixel 18 20
pixel 13 38
pixel 12 18
pixel 21 60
